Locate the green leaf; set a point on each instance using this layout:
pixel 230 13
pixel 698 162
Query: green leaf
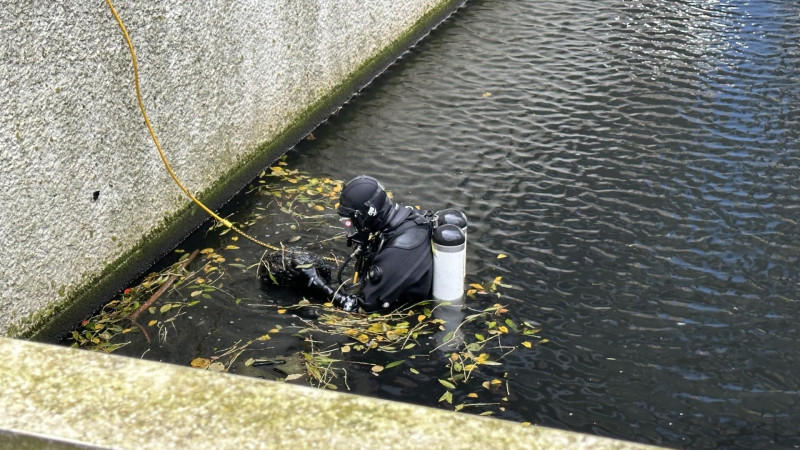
pixel 165 308
pixel 394 364
pixel 479 337
pixel 447 384
pixel 511 324
pixel 447 397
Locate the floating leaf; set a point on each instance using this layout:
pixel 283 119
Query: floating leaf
pixel 511 324
pixel 414 371
pixel 503 329
pixel 201 363
pixel 281 311
pixel 232 247
pixel 476 286
pixel 501 256
pixel 165 308
pixel 217 367
pixel 447 384
pixel 377 368
pixel 527 344
pixel 265 337
pixel 447 397
pixel 293 376
pixel 207 251
pixel 151 323
pixel 345 348
pixel 472 395
pixel 395 363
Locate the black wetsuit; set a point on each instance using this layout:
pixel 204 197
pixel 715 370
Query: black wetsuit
pixel 402 268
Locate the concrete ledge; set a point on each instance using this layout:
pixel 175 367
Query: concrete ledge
pixel 67 398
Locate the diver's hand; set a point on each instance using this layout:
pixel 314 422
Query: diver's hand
pixel 348 303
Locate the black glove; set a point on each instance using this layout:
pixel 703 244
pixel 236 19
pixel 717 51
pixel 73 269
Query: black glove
pixel 348 303
pixel 314 280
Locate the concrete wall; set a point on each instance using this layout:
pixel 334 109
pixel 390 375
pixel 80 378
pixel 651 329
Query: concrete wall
pixel 85 202
pixel 55 397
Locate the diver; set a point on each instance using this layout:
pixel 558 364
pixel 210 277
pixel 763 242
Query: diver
pixel 392 248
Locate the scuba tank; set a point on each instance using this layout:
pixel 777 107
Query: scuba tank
pixel 449 255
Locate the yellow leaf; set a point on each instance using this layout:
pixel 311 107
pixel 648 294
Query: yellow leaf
pixel 231 247
pixel 527 344
pixel 234 238
pixel 501 256
pixel 363 338
pixel 476 286
pixel 497 280
pixel 152 322
pixel 421 317
pixel 281 311
pixel 207 251
pixel 201 363
pixel 319 208
pixel 377 369
pixel 471 292
pixel 264 338
pixel 487 94
pixel 345 348
pixel 525 424
pixel 503 329
pixel 274 330
pixel 472 395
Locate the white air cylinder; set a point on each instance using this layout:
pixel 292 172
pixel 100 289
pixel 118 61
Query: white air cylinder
pixel 449 262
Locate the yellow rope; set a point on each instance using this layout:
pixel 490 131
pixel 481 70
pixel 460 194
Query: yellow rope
pixel 158 145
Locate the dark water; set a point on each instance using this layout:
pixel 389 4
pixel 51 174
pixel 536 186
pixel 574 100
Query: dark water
pixel 638 163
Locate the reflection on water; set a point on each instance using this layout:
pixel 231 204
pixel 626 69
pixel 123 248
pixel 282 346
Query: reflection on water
pixel 638 163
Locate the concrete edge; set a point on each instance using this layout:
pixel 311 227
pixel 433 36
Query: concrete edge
pixel 69 397
pixel 53 322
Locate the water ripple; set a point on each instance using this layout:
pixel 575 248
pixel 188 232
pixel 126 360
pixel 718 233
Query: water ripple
pixel 637 161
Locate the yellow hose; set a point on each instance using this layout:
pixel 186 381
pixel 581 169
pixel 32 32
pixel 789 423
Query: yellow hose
pixel 158 145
